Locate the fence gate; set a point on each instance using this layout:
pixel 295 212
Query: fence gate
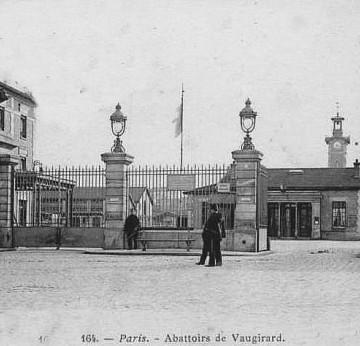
pixel 174 198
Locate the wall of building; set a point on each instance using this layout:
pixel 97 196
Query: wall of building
pixel 11 140
pixel 352 228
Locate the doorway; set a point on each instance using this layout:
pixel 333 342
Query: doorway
pixel 304 217
pixel 273 219
pixel 287 220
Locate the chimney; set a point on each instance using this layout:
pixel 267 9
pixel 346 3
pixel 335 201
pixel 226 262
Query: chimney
pixel 357 168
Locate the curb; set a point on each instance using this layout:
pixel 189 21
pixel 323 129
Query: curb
pixel 174 253
pixel 150 252
pixel 7 249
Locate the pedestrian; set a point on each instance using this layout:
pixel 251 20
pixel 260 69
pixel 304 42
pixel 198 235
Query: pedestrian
pixel 217 241
pixel 131 229
pixel 211 238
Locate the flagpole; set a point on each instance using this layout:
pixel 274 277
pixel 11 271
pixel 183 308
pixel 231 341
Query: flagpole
pixel 181 124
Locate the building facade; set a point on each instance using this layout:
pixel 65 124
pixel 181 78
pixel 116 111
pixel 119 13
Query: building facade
pixel 17 125
pixel 317 203
pixel 314 203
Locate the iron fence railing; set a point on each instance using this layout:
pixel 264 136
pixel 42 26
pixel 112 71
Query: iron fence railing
pixel 70 196
pixel 163 197
pixel 170 197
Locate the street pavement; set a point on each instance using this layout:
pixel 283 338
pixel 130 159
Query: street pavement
pixel 304 293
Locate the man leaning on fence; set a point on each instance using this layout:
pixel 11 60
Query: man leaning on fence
pixel 131 229
pixel 211 238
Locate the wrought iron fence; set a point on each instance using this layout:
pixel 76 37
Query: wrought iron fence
pixel 163 197
pixel 69 197
pixel 170 197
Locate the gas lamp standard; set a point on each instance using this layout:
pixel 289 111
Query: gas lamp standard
pixel 118 125
pixel 247 122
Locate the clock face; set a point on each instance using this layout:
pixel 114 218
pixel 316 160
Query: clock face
pixel 337 145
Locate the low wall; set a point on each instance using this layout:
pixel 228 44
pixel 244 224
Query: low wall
pixel 82 237
pixel 113 238
pixel 5 237
pixel 35 236
pixel 49 237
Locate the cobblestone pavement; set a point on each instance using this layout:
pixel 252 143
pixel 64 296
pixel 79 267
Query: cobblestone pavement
pixel 307 291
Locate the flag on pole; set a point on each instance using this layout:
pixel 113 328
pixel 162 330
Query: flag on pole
pixel 178 120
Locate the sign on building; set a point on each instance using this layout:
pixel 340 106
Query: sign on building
pixel 223 187
pixel 181 182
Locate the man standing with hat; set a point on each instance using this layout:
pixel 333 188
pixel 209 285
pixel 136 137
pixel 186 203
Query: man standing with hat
pixel 211 238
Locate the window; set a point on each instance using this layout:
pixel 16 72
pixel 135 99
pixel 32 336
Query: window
pixel 23 163
pixel 338 214
pixel 23 127
pixel 19 107
pixel 2 119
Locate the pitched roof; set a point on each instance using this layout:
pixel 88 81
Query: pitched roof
pixel 313 178
pixel 296 179
pixel 137 192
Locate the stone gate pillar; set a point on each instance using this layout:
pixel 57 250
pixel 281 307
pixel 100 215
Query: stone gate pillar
pixel 7 164
pixel 115 197
pixel 250 224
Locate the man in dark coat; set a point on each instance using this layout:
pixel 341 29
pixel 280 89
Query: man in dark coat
pixel 211 237
pixel 217 241
pixel 131 229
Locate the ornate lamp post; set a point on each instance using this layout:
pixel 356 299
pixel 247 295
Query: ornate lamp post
pixel 118 124
pixel 247 122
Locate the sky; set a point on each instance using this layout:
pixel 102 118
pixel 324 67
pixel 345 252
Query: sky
pixel 293 59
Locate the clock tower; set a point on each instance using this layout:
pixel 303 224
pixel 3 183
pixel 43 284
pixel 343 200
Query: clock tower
pixel 337 144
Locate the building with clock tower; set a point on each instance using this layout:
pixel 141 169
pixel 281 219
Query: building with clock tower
pixel 337 144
